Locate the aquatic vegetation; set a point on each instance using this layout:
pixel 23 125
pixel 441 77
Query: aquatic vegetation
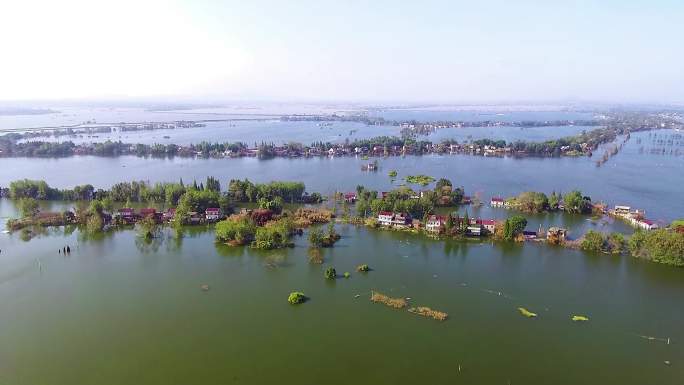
pixel 319 239
pixel 392 174
pixel 363 268
pixel 580 318
pixel 305 217
pixel 236 230
pixel 347 274
pixel 330 273
pixel 397 303
pixel 427 312
pixel 526 312
pixel 661 246
pixel 421 179
pixel 315 255
pixel 296 297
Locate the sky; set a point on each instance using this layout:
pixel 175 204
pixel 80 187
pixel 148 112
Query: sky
pixel 351 51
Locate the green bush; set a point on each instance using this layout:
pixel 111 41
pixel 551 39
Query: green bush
pixel 363 268
pixel 239 231
pixel 660 246
pixel 296 297
pixel 330 273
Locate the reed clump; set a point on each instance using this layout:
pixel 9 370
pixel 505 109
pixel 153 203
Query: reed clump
pixel 397 303
pixel 430 313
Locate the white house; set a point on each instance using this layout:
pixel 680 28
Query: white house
pixel 385 218
pixel 213 214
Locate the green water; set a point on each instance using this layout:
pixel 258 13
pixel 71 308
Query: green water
pixel 119 311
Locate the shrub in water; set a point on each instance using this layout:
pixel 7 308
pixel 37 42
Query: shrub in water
pixel 330 273
pixel 296 297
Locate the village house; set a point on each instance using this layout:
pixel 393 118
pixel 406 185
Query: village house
pixel 151 213
pixel 622 210
pixel 385 218
pixel 169 214
pixel 645 224
pixel 556 234
pixel 475 230
pixel 398 220
pixel 195 217
pixel 350 197
pixel 487 224
pixel 435 223
pixel 402 220
pixel 126 214
pixel 212 214
pixel 497 202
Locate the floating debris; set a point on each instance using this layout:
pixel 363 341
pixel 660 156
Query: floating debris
pixel 580 318
pixel 526 312
pixel 427 312
pixel 668 363
pixel 396 303
pixel 650 338
pixel 357 296
pixel 347 274
pixel 204 287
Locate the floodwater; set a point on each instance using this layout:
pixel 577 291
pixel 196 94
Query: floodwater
pixel 120 310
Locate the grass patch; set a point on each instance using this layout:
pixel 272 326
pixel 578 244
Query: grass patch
pixel 427 312
pixel 397 303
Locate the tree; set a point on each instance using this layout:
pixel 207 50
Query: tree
pixel 660 246
pixel 107 204
pixel 213 184
pixel 330 273
pixel 554 201
pixel 28 207
pixel 449 224
pixel 237 231
pixel 442 182
pixel 576 203
pixel 148 228
pixel 513 227
pixel 532 202
pixel 593 241
pixel 315 237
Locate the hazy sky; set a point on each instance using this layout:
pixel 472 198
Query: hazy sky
pixel 443 51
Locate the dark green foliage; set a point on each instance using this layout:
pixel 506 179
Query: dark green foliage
pixel 238 231
pixel 28 207
pixel 246 191
pixel 296 297
pixel 330 273
pixel 513 227
pixel 532 202
pixel 274 235
pixel 660 246
pixel 576 203
pixel 595 241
